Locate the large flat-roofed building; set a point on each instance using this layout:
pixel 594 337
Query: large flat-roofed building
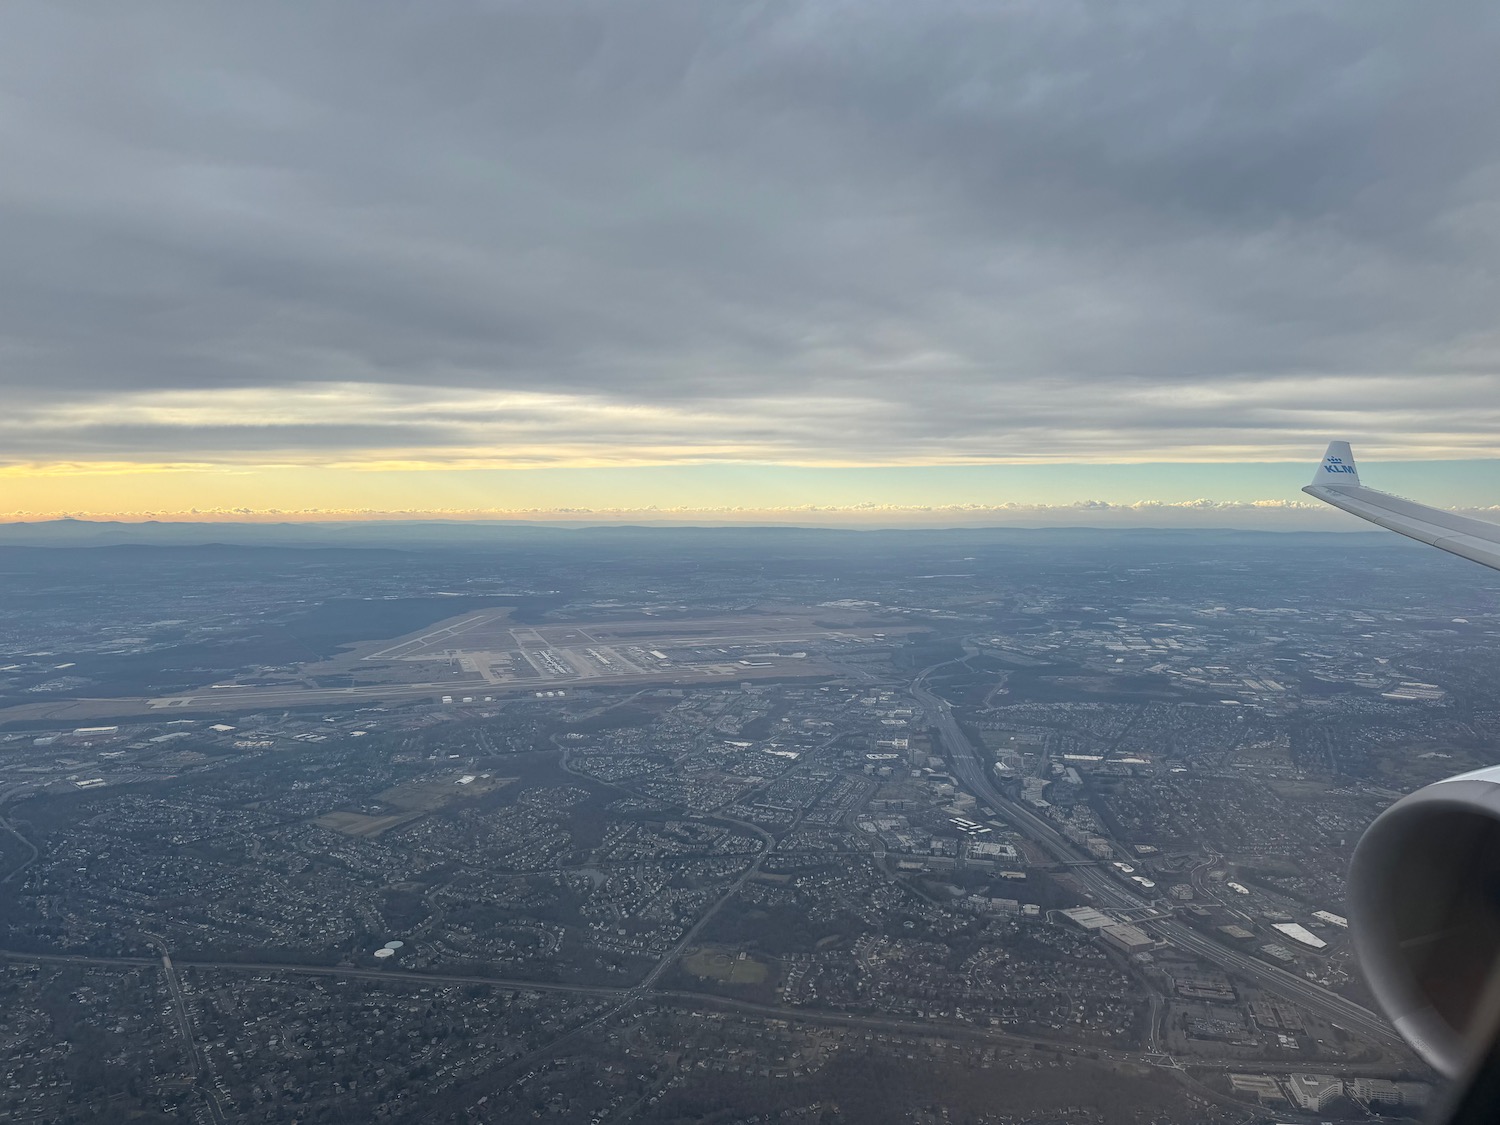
pixel 1131 939
pixel 1313 1091
pixel 1086 917
pixel 1381 1091
pixel 1262 1086
pixel 1300 934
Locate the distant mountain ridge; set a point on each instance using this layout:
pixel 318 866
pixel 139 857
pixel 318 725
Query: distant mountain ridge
pixel 413 534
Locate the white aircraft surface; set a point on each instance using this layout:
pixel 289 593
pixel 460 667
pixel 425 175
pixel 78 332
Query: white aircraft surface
pixel 1336 482
pixel 1424 884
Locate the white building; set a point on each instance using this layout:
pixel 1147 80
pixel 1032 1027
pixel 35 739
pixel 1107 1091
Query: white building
pixel 1378 1090
pixel 1313 1091
pixel 1131 939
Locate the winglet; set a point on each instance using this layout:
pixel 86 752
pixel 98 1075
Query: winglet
pixel 1337 469
pixel 1337 482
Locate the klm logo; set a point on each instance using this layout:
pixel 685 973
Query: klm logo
pixel 1336 465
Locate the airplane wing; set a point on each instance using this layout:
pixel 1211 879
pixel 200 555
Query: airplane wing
pixel 1336 482
pixel 1407 934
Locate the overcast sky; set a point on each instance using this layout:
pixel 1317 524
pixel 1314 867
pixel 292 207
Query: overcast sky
pixel 354 244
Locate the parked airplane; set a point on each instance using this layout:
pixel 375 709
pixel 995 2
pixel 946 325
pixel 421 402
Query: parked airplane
pixel 1424 884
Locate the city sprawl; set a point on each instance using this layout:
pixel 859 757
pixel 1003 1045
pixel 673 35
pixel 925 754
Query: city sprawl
pixel 729 825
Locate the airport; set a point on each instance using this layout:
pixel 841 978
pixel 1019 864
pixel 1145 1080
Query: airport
pixel 484 656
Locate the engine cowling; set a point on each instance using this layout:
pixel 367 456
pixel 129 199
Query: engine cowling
pixel 1424 912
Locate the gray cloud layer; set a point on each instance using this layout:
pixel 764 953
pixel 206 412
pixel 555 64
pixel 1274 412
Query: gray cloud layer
pixel 808 231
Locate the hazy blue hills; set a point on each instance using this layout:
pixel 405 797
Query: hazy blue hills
pixel 413 534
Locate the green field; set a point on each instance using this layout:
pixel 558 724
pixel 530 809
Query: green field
pixel 717 963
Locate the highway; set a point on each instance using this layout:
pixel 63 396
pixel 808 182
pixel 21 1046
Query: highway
pixel 197 1058
pixel 6 826
pixel 969 768
pixel 829 1017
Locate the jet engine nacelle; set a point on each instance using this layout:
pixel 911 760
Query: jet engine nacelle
pixel 1424 912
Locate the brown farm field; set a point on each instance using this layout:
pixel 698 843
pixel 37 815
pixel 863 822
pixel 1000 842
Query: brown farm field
pixel 410 800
